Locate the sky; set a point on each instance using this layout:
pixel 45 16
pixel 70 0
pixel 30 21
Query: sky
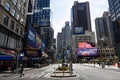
pixel 61 10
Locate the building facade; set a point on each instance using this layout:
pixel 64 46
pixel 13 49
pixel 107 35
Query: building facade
pixel 12 26
pixel 41 20
pixel 42 13
pixel 104 30
pixel 59 46
pixel 87 37
pixel 80 17
pixel 66 31
pixel 12 23
pixel 114 8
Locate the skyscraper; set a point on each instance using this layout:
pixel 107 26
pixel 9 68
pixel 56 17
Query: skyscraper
pixel 41 20
pixel 114 7
pixel 42 13
pixel 104 30
pixel 80 17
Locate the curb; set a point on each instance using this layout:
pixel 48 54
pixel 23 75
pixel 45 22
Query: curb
pixel 55 74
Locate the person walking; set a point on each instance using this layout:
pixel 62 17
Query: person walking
pixel 13 66
pixel 71 67
pixel 21 70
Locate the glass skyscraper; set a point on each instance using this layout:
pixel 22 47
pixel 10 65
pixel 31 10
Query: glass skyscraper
pixel 80 17
pixel 42 13
pixel 114 8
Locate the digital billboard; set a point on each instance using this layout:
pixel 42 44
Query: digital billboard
pixel 31 36
pixel 78 30
pixel 86 52
pixel 33 43
pixel 84 45
pixel 38 41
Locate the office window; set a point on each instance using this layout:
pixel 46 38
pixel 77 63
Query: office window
pixel 23 11
pixel 6 20
pixel 14 2
pixel 7 6
pixel 17 28
pixel 21 31
pixel 17 16
pixel 21 20
pixel 24 1
pixel 19 6
pixel 13 12
pixel 12 25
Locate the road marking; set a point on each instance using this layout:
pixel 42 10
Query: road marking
pixel 41 75
pixel 33 75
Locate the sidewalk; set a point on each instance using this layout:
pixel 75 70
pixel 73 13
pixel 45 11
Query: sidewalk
pixel 8 73
pixel 111 67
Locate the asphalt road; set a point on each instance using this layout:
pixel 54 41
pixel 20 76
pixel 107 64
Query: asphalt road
pixel 83 73
pixel 93 73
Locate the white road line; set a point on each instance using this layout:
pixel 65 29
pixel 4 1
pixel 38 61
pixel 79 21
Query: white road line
pixel 47 75
pixel 41 75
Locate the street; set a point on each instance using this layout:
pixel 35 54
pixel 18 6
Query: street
pixel 83 73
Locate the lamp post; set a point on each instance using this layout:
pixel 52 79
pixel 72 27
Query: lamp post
pixel 18 54
pixel 63 49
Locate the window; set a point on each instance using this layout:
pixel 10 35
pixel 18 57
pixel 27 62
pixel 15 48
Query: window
pixel 21 20
pixel 12 25
pixel 23 11
pixel 14 2
pixel 17 28
pixel 19 6
pixel 13 12
pixel 17 16
pixel 6 20
pixel 24 2
pixel 21 31
pixel 7 6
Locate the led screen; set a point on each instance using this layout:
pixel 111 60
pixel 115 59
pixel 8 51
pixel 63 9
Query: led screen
pixel 86 52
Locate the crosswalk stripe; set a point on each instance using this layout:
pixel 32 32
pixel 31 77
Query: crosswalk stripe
pixel 33 75
pixel 47 75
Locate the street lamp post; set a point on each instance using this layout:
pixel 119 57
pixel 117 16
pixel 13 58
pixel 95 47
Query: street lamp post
pixel 63 49
pixel 18 53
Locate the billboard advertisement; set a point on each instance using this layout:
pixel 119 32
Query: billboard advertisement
pixel 78 30
pixel 34 42
pixel 31 36
pixel 38 41
pixel 86 52
pixel 84 45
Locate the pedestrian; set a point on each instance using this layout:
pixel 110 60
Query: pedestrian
pixel 13 66
pixel 71 67
pixel 21 70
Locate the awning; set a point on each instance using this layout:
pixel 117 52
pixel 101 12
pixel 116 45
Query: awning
pixel 6 57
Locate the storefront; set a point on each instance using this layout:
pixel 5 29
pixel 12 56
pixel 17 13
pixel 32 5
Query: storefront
pixel 5 61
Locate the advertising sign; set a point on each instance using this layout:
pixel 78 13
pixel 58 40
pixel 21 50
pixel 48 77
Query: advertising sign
pixel 38 41
pixel 84 45
pixel 31 36
pixel 78 30
pixel 34 42
pixel 86 52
